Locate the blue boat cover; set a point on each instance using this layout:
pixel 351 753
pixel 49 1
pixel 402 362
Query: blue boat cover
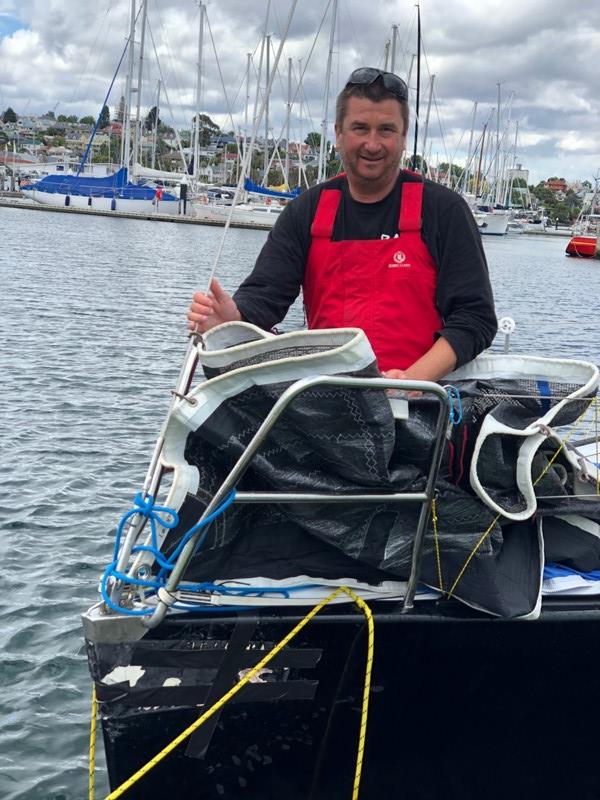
pixel 250 186
pixel 89 186
pixel 561 571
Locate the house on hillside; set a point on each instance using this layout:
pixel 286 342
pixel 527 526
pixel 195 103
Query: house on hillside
pixel 558 186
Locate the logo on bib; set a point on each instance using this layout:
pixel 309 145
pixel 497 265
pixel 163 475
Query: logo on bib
pixel 399 260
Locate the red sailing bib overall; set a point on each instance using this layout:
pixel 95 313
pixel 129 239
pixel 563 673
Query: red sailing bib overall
pixel 384 286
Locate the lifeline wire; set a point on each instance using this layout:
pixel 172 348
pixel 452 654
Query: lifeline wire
pixel 120 790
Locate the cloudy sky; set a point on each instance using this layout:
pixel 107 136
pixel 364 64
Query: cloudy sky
pixel 61 55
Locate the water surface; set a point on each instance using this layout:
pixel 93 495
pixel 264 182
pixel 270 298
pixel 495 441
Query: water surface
pixel 92 334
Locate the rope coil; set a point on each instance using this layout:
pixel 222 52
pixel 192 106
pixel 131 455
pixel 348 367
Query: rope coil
pixel 145 506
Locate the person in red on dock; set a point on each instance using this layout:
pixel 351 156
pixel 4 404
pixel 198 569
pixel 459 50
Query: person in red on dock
pixel 377 248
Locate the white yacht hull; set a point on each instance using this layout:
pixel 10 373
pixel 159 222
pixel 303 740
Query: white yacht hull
pixel 124 204
pixel 492 223
pixel 264 216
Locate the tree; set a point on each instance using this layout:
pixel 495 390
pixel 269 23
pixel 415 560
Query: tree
pixel 61 118
pixel 87 121
pixel 72 118
pixel 104 152
pixel 275 177
pixel 455 170
pixel 150 120
pixel 49 115
pixel 313 140
pixel 104 120
pixel 565 211
pixel 9 115
pixel 208 129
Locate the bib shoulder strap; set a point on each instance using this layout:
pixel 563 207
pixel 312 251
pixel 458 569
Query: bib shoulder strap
pixel 322 224
pixel 411 207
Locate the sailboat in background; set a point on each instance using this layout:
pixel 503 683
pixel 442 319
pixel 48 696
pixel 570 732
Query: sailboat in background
pixel 491 221
pixel 584 242
pixel 114 192
pixel 263 212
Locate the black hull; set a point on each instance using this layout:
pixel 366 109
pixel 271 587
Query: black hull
pixel 461 707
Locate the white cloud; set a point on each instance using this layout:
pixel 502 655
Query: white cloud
pixel 574 142
pixel 66 52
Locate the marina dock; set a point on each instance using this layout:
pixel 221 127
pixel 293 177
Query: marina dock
pixel 12 200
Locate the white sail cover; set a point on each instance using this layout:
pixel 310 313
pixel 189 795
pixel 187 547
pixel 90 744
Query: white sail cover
pixel 158 174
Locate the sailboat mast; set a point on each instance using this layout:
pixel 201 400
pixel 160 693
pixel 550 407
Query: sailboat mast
pixel 286 177
pixel 394 41
pixel 426 128
pixel 414 164
pixel 198 94
pixel 138 121
pixel 300 142
pixel 126 137
pixel 386 55
pixel 497 158
pixel 470 150
pixel 508 198
pixel 248 58
pixel 323 144
pixel 155 131
pixel 480 160
pixel 265 180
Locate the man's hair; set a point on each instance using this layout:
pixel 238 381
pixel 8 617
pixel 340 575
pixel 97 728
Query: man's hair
pixel 376 92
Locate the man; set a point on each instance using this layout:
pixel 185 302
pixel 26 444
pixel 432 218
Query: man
pixel 376 248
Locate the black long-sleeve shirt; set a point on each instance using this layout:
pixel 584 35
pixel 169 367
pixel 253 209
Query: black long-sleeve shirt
pixel 464 296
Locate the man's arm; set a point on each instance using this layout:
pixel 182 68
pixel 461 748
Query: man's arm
pixel 267 293
pixel 464 294
pixel 272 286
pixel 212 309
pixel 437 362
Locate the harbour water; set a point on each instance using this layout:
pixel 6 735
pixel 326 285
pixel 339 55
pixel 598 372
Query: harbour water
pixel 92 333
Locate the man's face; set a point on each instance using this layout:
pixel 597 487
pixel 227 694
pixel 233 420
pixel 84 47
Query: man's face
pixel 371 140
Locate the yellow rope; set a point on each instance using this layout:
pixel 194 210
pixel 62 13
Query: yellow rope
pixel 92 764
pixel 436 540
pixel 120 790
pixel 559 449
pixel 472 555
pixel 366 690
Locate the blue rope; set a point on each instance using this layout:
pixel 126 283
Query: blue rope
pixel 146 507
pixel 167 517
pixel 455 412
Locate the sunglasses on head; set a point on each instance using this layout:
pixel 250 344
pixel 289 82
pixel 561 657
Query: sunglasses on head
pixel 365 76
